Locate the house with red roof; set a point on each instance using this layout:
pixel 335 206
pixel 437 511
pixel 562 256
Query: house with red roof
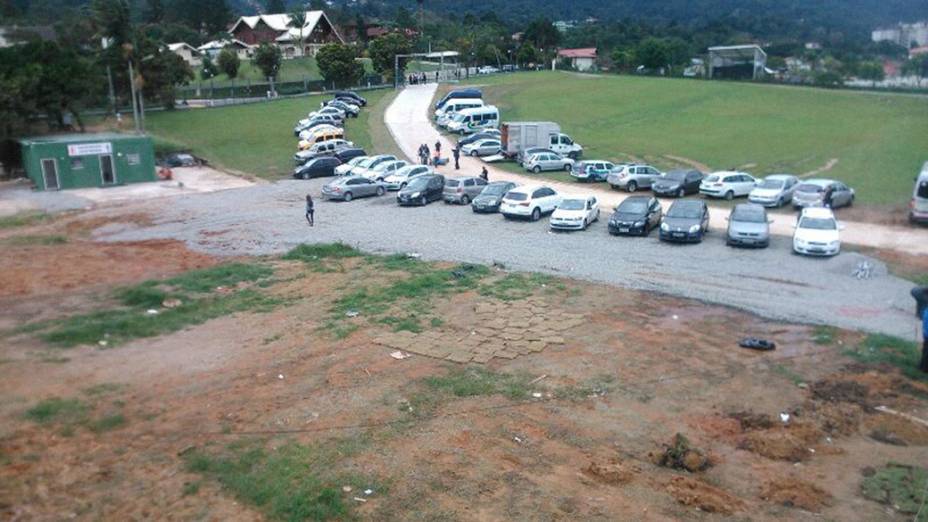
pixel 582 59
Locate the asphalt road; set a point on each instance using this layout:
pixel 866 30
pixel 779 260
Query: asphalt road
pixel 268 219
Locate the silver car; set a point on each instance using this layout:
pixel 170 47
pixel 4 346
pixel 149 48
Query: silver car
pixel 399 179
pixel 548 161
pixel 633 177
pixel 462 190
pixel 774 191
pixel 349 187
pixel 812 193
pixel 485 147
pixel 748 226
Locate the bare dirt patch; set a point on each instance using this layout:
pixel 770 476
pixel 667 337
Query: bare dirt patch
pixel 698 494
pixel 795 492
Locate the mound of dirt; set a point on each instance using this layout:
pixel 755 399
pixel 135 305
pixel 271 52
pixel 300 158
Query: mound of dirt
pixel 841 390
pixel 696 493
pixel 791 442
pixel 612 472
pixel 792 492
pixel 750 420
pixel 680 455
pixel 896 430
pixel 835 418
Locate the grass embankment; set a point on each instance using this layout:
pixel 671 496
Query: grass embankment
pixel 878 140
pixel 293 70
pixel 258 138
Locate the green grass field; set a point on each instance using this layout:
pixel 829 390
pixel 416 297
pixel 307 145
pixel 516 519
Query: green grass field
pixel 879 141
pixel 258 138
pixel 294 70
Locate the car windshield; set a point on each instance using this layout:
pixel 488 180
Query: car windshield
pixel 809 187
pixel 458 117
pixel 633 206
pixel 452 183
pixel 366 162
pixel 818 223
pixel 417 184
pixel 572 204
pixel 748 215
pixel 712 178
pixel 677 175
pixel 685 211
pixel 771 184
pixel 495 190
pixel 923 189
pixel 517 196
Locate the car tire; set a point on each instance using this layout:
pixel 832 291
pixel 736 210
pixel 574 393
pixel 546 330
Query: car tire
pixel 473 154
pixel 779 202
pixel 568 167
pixel 536 214
pixel 536 169
pixel 465 200
pixel 681 193
pixel 402 186
pixel 729 196
pixel 631 187
pixel 305 175
pixel 348 196
pixel 850 202
pixel 423 201
pixel 381 191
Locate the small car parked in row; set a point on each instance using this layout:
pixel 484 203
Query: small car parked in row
pixel 678 183
pixel 817 233
pixel 383 169
pixel 531 202
pixel 399 179
pixel 484 147
pixel 462 190
pixel 488 134
pixel 687 221
pixel 323 148
pixel 728 185
pixel 345 168
pixel 918 208
pixel 317 168
pixel 775 190
pixel 548 161
pixel 812 192
pixel 593 170
pixel 633 176
pixel 491 196
pixel 370 163
pixel 748 226
pixel 422 190
pixel 574 213
pixel 347 188
pixel 637 216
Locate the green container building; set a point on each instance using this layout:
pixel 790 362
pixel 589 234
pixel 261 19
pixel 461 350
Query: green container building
pixel 88 160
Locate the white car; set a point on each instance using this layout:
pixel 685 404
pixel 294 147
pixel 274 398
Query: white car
pixel 485 147
pixel 345 168
pixel 530 202
pixel 774 191
pixel 381 170
pixel 399 179
pixel 329 111
pixel 574 213
pixel 361 168
pixel 487 69
pixel 817 233
pixel 727 184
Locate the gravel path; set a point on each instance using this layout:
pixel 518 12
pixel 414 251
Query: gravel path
pixel 268 219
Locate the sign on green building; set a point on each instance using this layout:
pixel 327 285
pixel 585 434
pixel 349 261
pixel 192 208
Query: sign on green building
pixel 88 160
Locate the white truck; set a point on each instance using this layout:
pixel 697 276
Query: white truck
pixel 519 136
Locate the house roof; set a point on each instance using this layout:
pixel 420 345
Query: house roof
pixel 918 50
pixel 79 138
pixel 222 44
pixel 174 47
pixel 583 52
pixel 280 22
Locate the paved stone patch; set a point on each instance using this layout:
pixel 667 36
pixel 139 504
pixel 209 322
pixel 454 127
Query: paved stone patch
pixel 504 329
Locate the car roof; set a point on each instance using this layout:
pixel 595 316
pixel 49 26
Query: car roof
pixel 817 212
pixel 749 207
pixel 822 182
pixel 529 188
pixel 687 203
pixel 779 176
pixel 477 110
pixel 462 178
pixel 728 173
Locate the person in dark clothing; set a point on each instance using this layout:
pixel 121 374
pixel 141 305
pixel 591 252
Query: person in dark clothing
pixel 484 174
pixel 456 152
pixel 310 210
pixel 438 147
pixel 826 199
pixel 924 365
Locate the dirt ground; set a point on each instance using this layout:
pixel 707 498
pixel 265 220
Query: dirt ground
pixel 784 434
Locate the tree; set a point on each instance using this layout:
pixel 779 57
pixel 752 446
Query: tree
pixel 211 16
pixel 361 28
pixel 383 52
pixel 229 62
pixel 653 53
pixel 542 34
pixel 917 65
pixel 872 71
pixel 154 12
pixel 527 54
pixel 267 58
pixel 209 69
pixel 624 59
pixel 298 21
pixel 339 66
pixel 276 6
pixel 404 18
pixel 112 19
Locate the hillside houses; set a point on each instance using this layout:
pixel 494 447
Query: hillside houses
pixel 275 29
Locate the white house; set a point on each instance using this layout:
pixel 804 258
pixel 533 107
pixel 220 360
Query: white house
pixel 582 59
pixel 212 49
pixel 188 52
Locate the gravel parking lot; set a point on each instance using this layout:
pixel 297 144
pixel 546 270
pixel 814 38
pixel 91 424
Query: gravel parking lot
pixel 268 219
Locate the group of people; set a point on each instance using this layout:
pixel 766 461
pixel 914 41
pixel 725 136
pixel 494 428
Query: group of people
pixel 427 158
pixel 417 78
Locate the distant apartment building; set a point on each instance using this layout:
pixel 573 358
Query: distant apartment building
pixel 906 35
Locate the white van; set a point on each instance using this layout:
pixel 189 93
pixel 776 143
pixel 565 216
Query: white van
pixel 918 209
pixel 473 120
pixel 457 105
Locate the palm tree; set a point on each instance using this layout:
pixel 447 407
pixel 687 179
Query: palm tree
pixel 298 20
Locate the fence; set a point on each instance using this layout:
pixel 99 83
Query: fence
pixel 230 91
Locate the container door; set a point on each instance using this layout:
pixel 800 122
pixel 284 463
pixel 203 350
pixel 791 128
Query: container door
pixel 50 174
pixel 107 170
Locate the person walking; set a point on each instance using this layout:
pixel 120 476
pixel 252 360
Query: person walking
pixel 437 147
pixel 456 152
pixel 484 175
pixel 310 210
pixel 924 365
pixel 827 198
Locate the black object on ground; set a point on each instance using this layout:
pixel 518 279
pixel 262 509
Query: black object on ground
pixel 757 344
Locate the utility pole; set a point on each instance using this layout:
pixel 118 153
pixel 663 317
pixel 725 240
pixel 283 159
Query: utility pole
pixel 135 107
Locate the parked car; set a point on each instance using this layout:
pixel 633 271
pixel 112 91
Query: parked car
pixel 775 190
pixel 317 168
pixel 328 110
pixel 316 121
pixel 491 196
pixel 918 208
pixel 350 109
pixel 319 134
pixel 748 225
pixel 422 190
pixel 399 179
pixel 467 92
pixel 728 185
pixel 359 100
pixel 811 193
pixel 593 170
pixel 677 183
pixel 345 168
pixel 180 159
pixel 381 170
pixel 517 137
pixel 528 153
pixel 361 168
pixel 687 221
pixel 462 190
pixel 574 213
pixel 349 153
pixel 487 69
pixel 474 120
pixel 488 134
pixel 637 215
pixel 632 177
pixel 485 147
pixel 548 161
pixel 817 233
pixel 323 148
pixel 347 188
pixel 531 202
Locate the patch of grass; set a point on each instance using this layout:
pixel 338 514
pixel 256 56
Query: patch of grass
pixel 409 323
pixel 396 262
pixel 23 219
pixel 107 423
pixel 472 381
pixel 788 373
pixel 292 482
pixel 144 295
pixel 824 335
pixel 886 349
pixel 45 240
pixel 191 488
pixel 310 253
pixel 436 322
pixel 105 388
pixel 57 409
pixel 902 487
pixel 227 275
pixel 594 387
pixel 516 286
